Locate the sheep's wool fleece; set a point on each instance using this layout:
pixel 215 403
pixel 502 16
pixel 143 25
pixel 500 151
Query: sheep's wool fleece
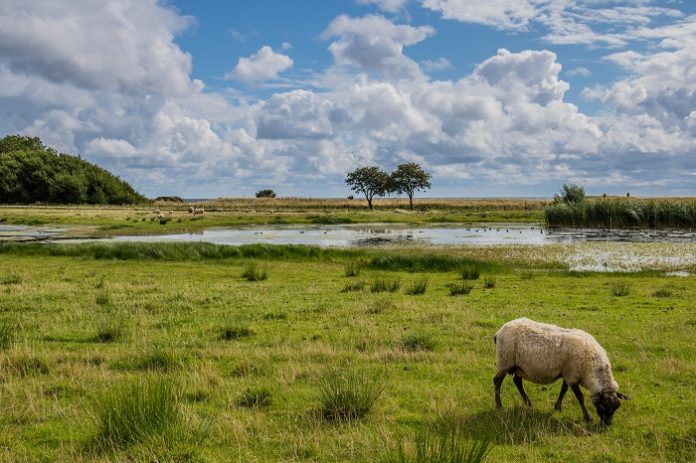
pixel 543 353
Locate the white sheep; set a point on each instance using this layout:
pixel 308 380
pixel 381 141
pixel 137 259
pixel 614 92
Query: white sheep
pixel 544 353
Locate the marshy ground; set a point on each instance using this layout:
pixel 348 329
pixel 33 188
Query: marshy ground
pixel 233 352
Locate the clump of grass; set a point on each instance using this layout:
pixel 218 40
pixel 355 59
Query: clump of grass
pixel 620 289
pixel 232 332
pixel 417 343
pixel 352 269
pixel 253 272
pixel 417 287
pixel 439 446
pixel 457 289
pixel 110 329
pixel 10 279
pixel 489 283
pixel 257 397
pixel 347 393
pixel 275 316
pixel 243 369
pixel 663 292
pixel 380 285
pixel 103 298
pixel 159 358
pixel 470 272
pixel 8 333
pixel 136 410
pixel 525 274
pixel 24 364
pixel 354 286
pixel 379 306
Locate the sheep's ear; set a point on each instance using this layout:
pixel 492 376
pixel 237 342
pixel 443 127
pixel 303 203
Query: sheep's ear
pixel 623 396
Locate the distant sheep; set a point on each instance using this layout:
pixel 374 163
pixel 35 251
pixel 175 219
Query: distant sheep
pixel 544 353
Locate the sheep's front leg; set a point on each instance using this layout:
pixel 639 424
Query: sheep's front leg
pixel 559 402
pixel 497 381
pixel 518 382
pixel 581 400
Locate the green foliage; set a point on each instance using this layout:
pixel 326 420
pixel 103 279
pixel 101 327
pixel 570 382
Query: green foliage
pixel 570 194
pixel 417 342
pixel 135 410
pixel 417 287
pixel 620 289
pixel 369 181
pixel 253 272
pixel 438 446
pixel 457 289
pixel 348 393
pixel 257 397
pixel 30 172
pixel 380 285
pixel 470 272
pixel 265 194
pixel 352 269
pixel 409 178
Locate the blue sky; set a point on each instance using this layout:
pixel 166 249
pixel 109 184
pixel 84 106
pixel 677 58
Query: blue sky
pixel 493 97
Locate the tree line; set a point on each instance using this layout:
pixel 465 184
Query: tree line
pixel 372 181
pixel 30 172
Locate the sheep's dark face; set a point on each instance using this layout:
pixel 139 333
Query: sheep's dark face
pixel 606 403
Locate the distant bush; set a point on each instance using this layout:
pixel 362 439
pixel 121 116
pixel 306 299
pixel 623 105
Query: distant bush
pixel 169 199
pixel 265 194
pixel 33 173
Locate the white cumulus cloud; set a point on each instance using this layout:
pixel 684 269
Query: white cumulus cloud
pixel 265 64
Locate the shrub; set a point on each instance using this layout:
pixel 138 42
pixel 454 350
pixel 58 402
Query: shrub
pixel 470 272
pixel 417 342
pixel 380 285
pixel 353 286
pixel 489 282
pixel 417 287
pixel 348 393
pixel 259 397
pixel 352 269
pixel 620 288
pixel 229 333
pixel 265 194
pixel 457 289
pixel 253 273
pixel 135 410
pixel 437 446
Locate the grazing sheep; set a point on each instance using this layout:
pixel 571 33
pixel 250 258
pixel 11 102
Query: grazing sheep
pixel 544 353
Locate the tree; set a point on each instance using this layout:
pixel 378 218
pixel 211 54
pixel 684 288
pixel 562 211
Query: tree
pixel 409 178
pixel 570 194
pixel 369 181
pixel 265 194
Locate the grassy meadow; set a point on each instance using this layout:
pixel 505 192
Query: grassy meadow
pixel 282 354
pixel 101 221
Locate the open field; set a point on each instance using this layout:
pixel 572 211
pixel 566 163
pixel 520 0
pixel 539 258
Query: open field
pixel 100 221
pixel 238 365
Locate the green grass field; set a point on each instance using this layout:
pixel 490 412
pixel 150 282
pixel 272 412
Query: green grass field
pixel 162 356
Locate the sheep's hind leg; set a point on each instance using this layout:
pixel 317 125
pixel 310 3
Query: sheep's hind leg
pixel 581 400
pixel 497 381
pixel 518 382
pixel 559 402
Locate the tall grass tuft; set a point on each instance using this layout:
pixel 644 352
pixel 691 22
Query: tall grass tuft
pixel 458 289
pixel 110 329
pixel 417 343
pixel 428 263
pixel 620 289
pixel 347 393
pixel 470 272
pixel 232 332
pixel 352 269
pixel 8 333
pixel 257 397
pixel 10 279
pixel 253 272
pixel 159 358
pixel 417 287
pixel 380 285
pixel 436 446
pixel 354 286
pixel 135 410
pixel 489 283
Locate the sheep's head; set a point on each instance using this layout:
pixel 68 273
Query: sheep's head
pixel 606 403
